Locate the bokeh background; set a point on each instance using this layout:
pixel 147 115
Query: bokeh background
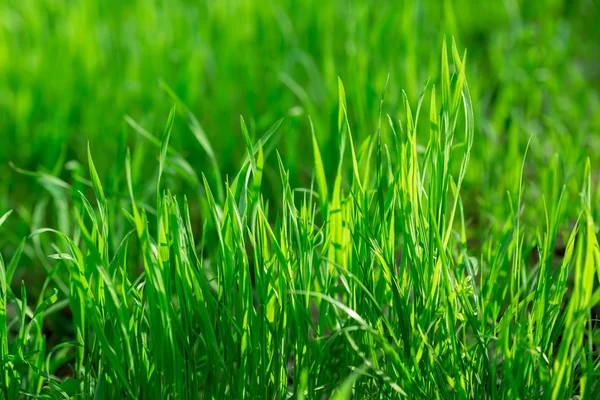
pixel 70 71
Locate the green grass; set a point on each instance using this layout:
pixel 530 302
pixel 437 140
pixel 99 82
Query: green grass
pixel 342 239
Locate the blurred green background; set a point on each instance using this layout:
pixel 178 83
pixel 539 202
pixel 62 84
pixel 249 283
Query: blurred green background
pixel 71 70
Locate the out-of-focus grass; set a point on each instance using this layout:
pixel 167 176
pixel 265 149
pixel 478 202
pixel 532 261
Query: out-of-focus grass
pixel 69 72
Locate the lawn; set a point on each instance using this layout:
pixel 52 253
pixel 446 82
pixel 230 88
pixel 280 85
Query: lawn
pixel 307 200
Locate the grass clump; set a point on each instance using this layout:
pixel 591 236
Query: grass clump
pixel 372 284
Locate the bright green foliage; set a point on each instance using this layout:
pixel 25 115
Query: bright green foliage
pixel 329 210
pixel 365 288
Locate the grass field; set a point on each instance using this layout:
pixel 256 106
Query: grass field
pixel 308 200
